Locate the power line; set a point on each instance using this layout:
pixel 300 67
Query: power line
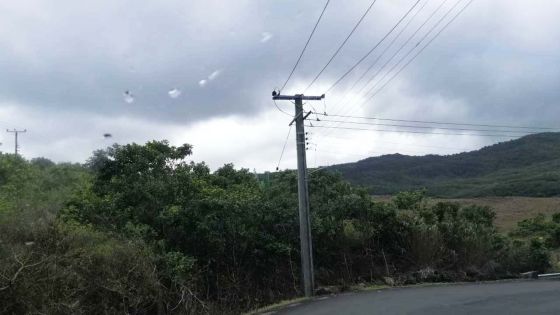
pixel 305 47
pixel 407 54
pixel 414 47
pixel 370 152
pixel 421 50
pixel 336 141
pixel 390 151
pixel 373 48
pixel 340 47
pixel 422 127
pixel 439 122
pixel 403 45
pixel 398 51
pixel 284 148
pixel 280 109
pixel 415 132
pixel 381 55
pixel 407 150
pixel 407 144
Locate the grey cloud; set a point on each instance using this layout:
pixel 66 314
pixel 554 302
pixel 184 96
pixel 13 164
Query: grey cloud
pixel 497 63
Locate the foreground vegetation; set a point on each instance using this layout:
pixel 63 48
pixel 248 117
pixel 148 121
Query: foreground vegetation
pixel 140 230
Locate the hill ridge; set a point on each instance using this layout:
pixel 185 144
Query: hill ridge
pixel 525 166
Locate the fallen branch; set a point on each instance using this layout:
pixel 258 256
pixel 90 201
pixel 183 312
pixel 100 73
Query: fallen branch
pixel 17 273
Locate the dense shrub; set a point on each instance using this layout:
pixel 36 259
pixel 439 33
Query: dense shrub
pixel 536 226
pixel 76 270
pixel 143 231
pixel 542 228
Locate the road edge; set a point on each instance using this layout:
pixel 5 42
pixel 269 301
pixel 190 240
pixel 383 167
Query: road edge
pixel 285 304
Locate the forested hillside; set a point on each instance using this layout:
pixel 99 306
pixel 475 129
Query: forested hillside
pixel 529 166
pixel 140 229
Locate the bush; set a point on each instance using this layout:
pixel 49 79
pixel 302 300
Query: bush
pixel 534 226
pixel 556 217
pixel 79 271
pixel 141 230
pixel 542 228
pixel 539 256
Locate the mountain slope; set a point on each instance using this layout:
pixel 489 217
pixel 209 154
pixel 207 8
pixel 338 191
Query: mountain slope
pixel 529 166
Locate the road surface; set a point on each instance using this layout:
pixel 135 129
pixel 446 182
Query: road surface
pixel 517 297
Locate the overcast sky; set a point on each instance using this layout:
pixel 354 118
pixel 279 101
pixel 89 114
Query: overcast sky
pixel 202 72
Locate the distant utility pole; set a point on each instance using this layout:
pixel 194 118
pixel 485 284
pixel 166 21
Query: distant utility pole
pixel 303 193
pixel 16 132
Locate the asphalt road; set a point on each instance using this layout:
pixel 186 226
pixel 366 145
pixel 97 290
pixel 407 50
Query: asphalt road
pixel 517 297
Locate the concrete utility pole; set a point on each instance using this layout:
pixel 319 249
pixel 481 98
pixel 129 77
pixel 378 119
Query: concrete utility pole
pixel 303 193
pixel 16 132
